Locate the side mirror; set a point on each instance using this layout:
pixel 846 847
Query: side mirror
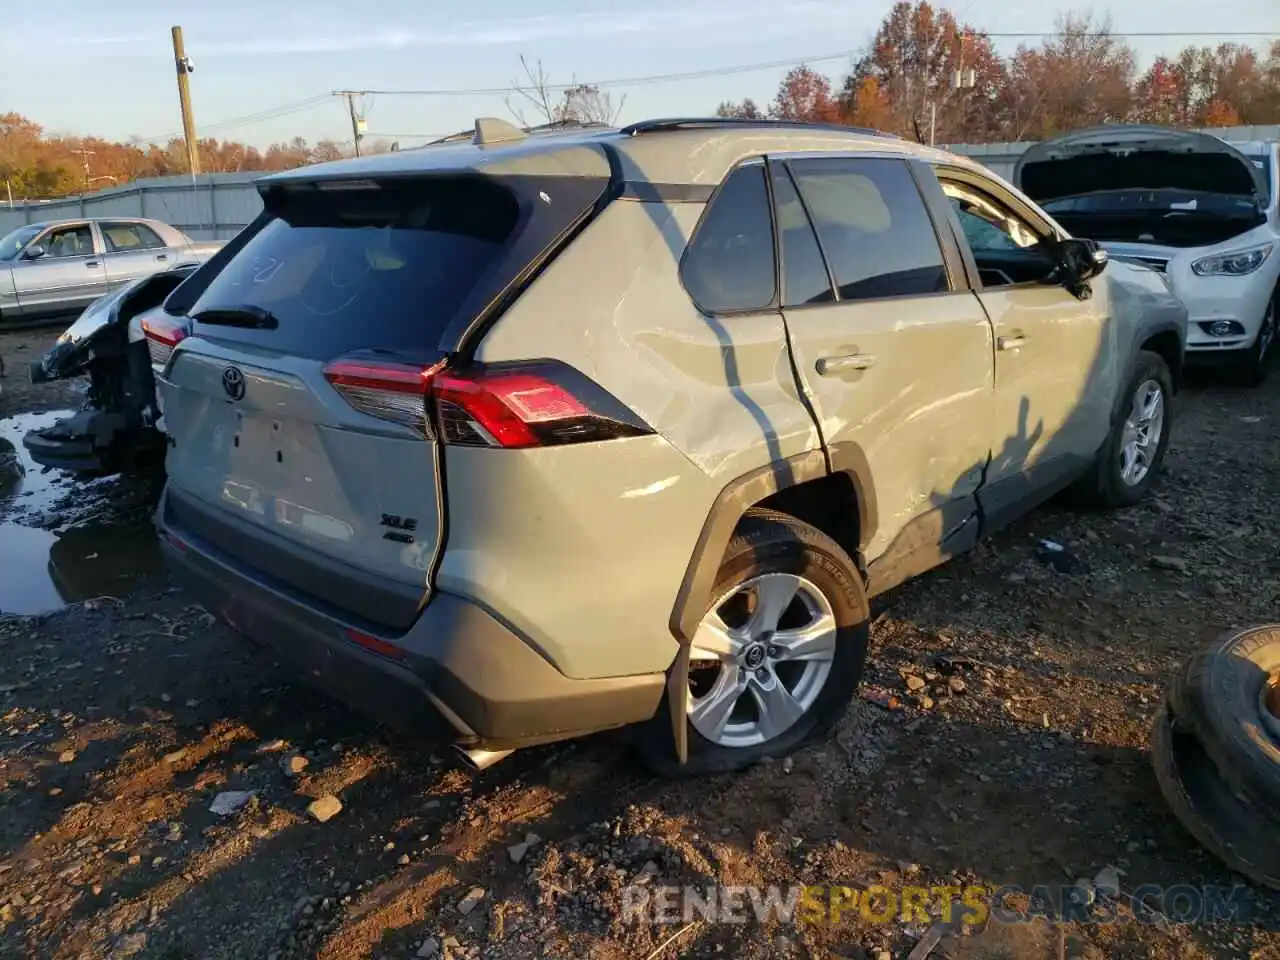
pixel 34 252
pixel 1081 260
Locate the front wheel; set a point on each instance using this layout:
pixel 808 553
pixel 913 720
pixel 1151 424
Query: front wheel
pixel 1257 361
pixel 1131 458
pixel 777 656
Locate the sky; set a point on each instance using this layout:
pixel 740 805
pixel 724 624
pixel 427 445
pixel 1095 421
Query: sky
pixel 265 69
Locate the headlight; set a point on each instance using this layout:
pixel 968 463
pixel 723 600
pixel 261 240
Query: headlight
pixel 1237 263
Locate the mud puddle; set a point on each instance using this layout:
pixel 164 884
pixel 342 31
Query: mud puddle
pixel 63 539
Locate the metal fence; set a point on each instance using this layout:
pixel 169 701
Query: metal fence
pixel 217 206
pixel 211 207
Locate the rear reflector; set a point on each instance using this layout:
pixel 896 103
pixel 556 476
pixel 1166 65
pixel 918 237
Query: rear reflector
pixel 511 406
pixel 162 336
pixel 380 647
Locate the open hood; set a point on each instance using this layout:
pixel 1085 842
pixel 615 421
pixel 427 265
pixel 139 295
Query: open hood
pixel 1137 157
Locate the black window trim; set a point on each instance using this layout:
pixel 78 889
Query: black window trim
pixel 774 305
pixel 772 163
pixel 953 264
pixel 973 180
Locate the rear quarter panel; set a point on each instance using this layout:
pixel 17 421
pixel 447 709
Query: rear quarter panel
pixel 584 548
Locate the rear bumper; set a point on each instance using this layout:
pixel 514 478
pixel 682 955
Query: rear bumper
pixel 457 660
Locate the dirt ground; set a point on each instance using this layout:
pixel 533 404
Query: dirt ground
pixel 1017 754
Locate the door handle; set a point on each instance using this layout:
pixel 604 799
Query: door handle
pixel 851 361
pixel 91 263
pixel 1011 342
pixel 162 256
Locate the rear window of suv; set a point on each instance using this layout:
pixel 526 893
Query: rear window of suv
pixel 368 265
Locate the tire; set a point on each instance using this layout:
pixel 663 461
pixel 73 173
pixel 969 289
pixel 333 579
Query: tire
pixel 1219 697
pixel 1107 486
pixel 1225 825
pixel 1254 368
pixel 769 553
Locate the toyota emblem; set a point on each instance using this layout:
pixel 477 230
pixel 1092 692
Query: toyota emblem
pixel 233 383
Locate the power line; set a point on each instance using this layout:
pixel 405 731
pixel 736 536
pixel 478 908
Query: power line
pixel 792 61
pixel 298 106
pixel 270 113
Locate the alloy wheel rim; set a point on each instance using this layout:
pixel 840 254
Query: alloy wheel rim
pixel 1143 431
pixel 759 659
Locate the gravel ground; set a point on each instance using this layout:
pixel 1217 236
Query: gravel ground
pixel 1000 739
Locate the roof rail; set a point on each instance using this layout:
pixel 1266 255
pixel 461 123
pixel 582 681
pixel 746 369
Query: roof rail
pixel 702 123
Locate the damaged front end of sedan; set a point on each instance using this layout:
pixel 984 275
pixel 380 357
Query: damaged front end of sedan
pixel 118 427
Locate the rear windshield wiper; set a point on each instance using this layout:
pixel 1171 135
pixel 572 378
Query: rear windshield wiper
pixel 243 316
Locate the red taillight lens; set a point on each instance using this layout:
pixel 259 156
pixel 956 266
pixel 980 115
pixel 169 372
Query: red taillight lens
pixel 162 336
pixel 538 404
pixel 511 406
pixel 388 391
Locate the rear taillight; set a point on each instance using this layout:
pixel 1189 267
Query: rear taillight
pixel 388 391
pixel 544 403
pixel 162 336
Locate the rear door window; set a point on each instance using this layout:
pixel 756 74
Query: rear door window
pixel 729 266
pixel 371 265
pixel 124 237
pixel 874 227
pixel 804 274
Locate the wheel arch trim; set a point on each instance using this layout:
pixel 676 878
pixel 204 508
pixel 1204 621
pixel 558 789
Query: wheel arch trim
pixel 727 511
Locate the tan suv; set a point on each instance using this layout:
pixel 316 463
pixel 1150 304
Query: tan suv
pixel 553 433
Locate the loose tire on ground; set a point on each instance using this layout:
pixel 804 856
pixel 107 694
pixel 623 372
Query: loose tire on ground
pixel 769 549
pixel 1220 697
pixel 1228 827
pixel 1107 486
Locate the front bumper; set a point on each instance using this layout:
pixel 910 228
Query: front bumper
pixel 457 660
pixel 90 441
pixel 1240 300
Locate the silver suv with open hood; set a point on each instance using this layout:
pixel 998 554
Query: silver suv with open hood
pixel 1195 207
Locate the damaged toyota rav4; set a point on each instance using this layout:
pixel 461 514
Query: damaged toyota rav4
pixel 543 434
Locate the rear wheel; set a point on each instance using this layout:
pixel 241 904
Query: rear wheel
pixel 778 654
pixel 1257 362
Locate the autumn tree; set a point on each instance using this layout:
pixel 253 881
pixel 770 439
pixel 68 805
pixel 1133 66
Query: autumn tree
pixel 915 56
pixel 805 94
pixel 869 106
pixel 1080 77
pixel 1224 82
pixel 746 110
pixel 1161 95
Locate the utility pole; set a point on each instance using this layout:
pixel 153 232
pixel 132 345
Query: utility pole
pixel 185 69
pixel 961 79
pixel 84 160
pixel 357 117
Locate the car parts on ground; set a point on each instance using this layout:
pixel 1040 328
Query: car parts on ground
pixel 117 428
pixel 1216 750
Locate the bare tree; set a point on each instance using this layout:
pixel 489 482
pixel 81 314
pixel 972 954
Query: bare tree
pixel 549 103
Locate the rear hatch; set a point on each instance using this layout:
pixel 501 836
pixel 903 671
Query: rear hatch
pixel 296 401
